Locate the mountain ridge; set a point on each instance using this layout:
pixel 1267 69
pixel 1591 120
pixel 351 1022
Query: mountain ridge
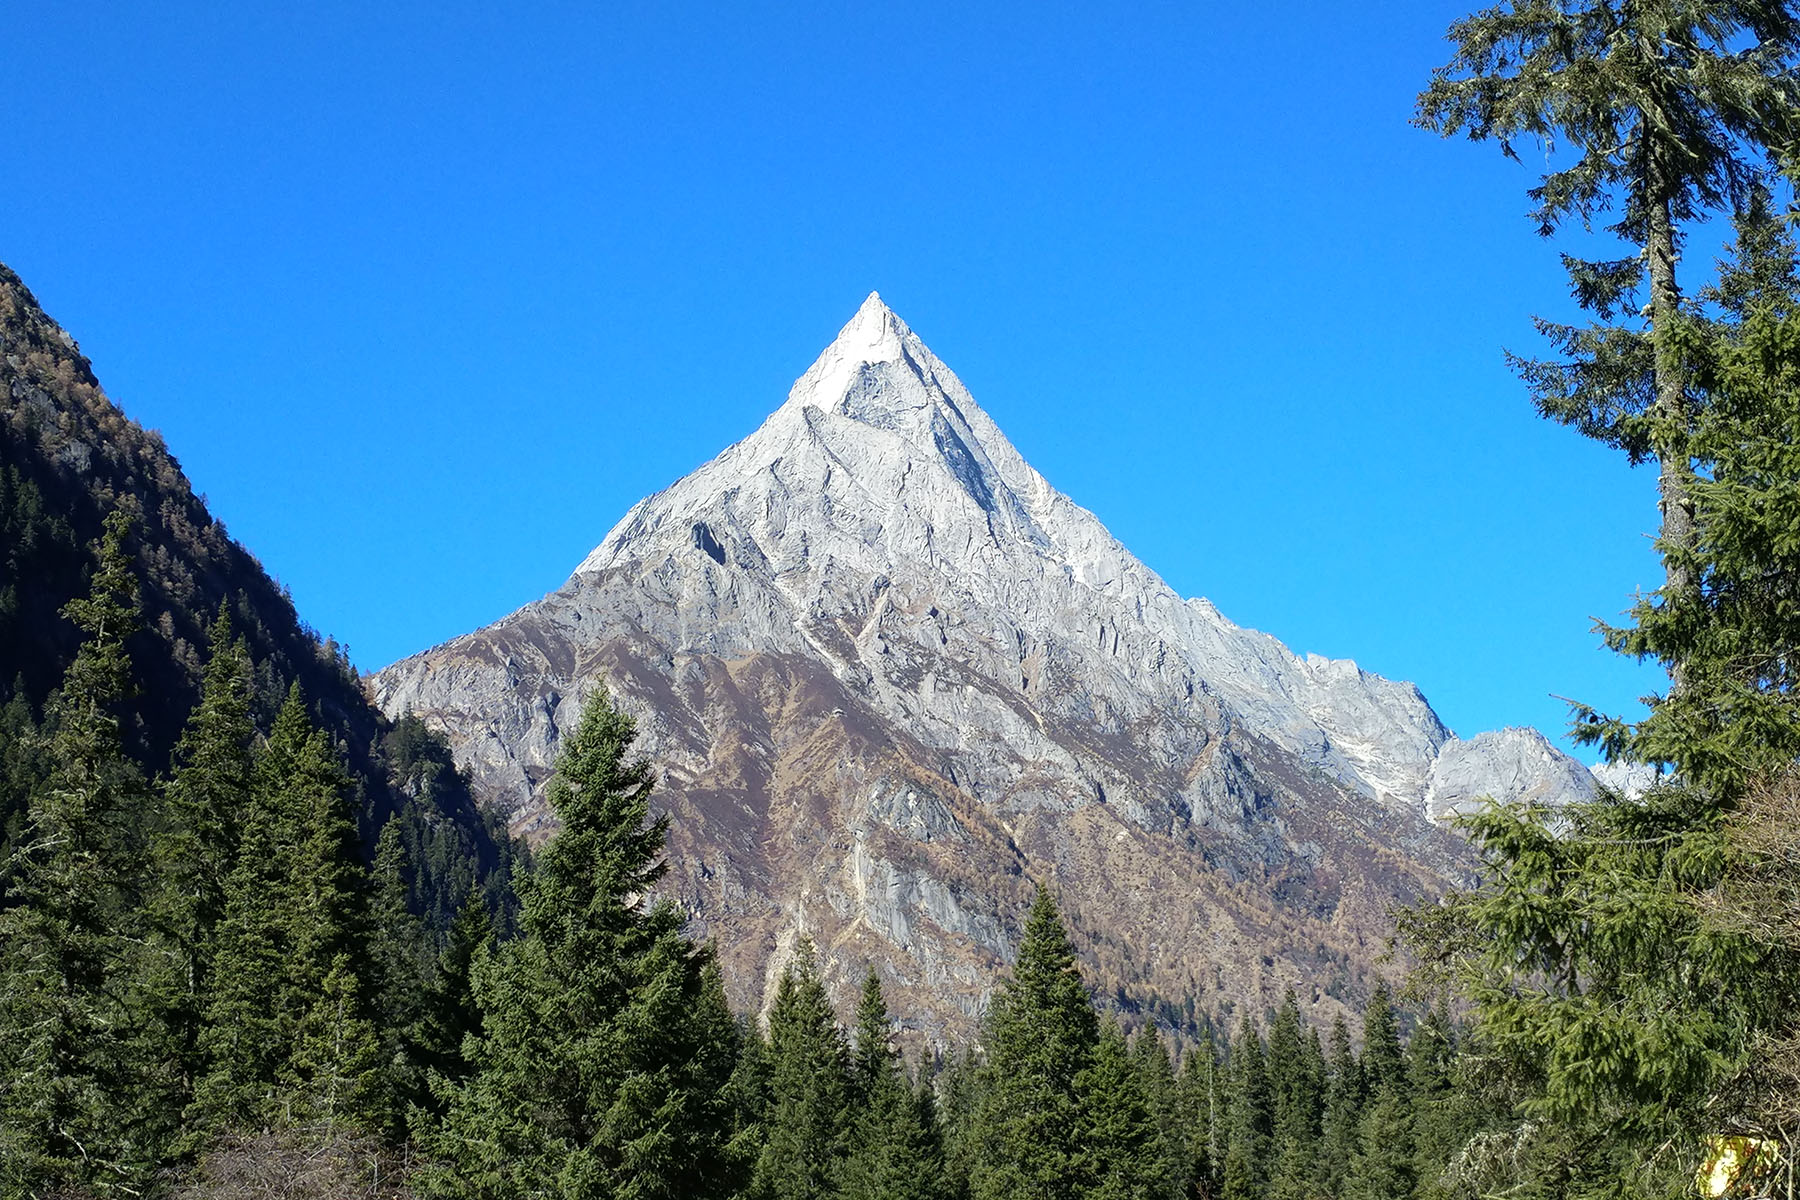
pixel 924 617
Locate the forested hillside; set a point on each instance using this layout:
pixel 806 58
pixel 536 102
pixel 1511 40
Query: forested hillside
pixel 68 458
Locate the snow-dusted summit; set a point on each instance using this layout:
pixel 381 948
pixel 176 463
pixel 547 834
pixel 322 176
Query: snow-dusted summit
pixel 880 467
pixel 874 610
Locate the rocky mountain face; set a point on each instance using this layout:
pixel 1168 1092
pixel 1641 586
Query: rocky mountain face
pixel 893 680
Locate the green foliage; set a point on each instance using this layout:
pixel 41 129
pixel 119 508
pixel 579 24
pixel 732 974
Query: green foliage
pixel 450 1014
pixel 1042 1035
pixel 77 1098
pixel 1200 1098
pixel 806 1129
pixel 597 1071
pixel 1162 1092
pixel 1122 1140
pixel 194 844
pixel 293 932
pixel 1297 1084
pixel 1249 1119
pixel 894 1152
pixel 1341 1124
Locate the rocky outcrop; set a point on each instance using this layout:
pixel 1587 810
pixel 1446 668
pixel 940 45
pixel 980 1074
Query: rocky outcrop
pixel 893 680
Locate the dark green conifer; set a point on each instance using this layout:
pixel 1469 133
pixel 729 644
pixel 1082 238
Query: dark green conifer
pixel 79 1099
pixel 1383 1060
pixel 1249 1118
pixel 204 802
pixel 1441 1114
pixel 1121 1141
pixel 450 1011
pixel 807 1128
pixel 335 1074
pixel 1156 1075
pixel 395 974
pixel 1383 1165
pixel 1203 1109
pixel 893 1146
pixel 1041 1038
pixel 1296 1081
pixel 295 914
pixel 1342 1123
pixel 597 1072
pixel 961 1085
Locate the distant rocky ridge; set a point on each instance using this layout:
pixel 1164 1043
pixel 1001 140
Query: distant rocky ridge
pixel 893 679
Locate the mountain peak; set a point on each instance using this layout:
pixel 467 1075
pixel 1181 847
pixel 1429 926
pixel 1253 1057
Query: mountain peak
pixel 874 336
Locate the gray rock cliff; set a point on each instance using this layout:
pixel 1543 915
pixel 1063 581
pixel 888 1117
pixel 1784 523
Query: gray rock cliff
pixel 893 679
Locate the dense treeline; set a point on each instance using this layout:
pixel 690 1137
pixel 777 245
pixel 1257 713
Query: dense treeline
pixel 204 973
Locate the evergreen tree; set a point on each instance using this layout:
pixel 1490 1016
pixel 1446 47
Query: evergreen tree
pixel 1382 1166
pixel 1587 951
pixel 1296 1083
pixel 1041 1036
pixel 872 1062
pixel 295 914
pixel 450 1011
pixel 194 847
pixel 397 976
pixel 961 1087
pixel 1342 1123
pixel 1440 1114
pixel 1672 108
pixel 335 1074
pixel 598 1069
pixel 1249 1119
pixel 1122 1141
pixel 1156 1075
pixel 807 1129
pixel 79 1104
pixel 1201 1098
pixel 1383 1059
pixel 893 1146
pixel 747 1097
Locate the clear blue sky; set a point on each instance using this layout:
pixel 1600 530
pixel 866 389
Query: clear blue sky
pixel 424 297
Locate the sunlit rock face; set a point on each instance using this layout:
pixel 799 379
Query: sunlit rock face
pixel 893 680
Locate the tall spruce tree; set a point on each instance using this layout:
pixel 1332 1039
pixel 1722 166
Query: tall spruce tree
pixel 1203 1110
pixel 1162 1091
pixel 1297 1083
pixel 807 1128
pixel 961 1087
pixel 400 991
pixel 450 1012
pixel 79 1103
pixel 1442 1117
pixel 195 844
pixel 1249 1118
pixel 893 1146
pixel 291 943
pixel 1342 1121
pixel 1041 1038
pixel 1585 952
pixel 1122 1140
pixel 1671 109
pixel 597 1071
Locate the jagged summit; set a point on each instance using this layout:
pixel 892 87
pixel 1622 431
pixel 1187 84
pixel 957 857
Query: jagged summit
pixel 889 672
pixel 880 490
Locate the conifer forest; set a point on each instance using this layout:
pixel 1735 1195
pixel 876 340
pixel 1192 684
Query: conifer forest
pixel 257 940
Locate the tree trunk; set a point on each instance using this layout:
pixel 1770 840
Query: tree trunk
pixel 1675 500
